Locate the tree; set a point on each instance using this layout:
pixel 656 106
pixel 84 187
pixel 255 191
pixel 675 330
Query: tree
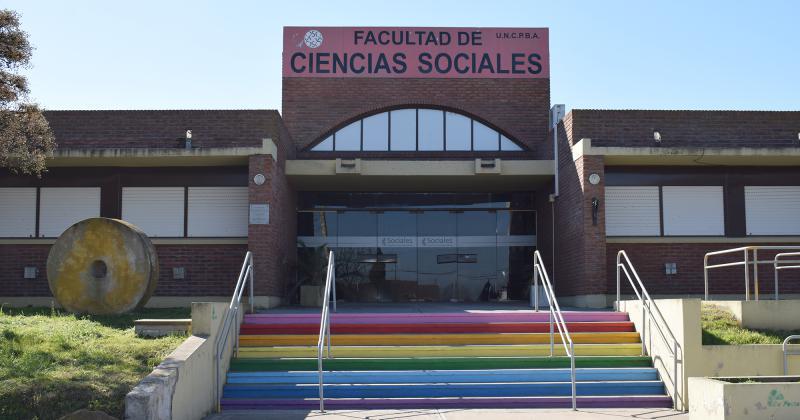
pixel 25 136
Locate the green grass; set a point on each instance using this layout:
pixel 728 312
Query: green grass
pixel 721 327
pixel 53 363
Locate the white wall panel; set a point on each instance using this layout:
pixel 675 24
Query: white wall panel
pixel 632 211
pixel 17 212
pixel 772 210
pixel 60 208
pixel 158 211
pixel 218 211
pixel 693 211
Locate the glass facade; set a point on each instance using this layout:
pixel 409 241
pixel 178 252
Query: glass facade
pixel 416 129
pixel 418 247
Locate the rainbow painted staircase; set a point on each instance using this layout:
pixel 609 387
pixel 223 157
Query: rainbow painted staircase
pixel 492 359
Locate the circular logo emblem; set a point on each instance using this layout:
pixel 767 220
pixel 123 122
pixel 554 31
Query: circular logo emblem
pixel 313 38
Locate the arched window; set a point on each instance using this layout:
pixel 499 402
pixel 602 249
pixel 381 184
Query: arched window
pixel 416 129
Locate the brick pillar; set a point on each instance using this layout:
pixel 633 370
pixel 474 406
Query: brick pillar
pixel 273 244
pixel 580 267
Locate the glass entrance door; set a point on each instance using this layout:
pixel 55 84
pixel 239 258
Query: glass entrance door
pixel 438 255
pixel 422 247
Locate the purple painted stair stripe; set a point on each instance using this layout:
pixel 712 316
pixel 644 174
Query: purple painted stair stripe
pixel 530 402
pixel 381 318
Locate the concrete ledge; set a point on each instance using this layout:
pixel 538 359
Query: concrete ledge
pixel 723 399
pixel 689 156
pixel 161 327
pixel 182 386
pixel 764 314
pixel 701 240
pixel 211 156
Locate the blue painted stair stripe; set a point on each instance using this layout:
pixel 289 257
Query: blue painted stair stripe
pixel 444 376
pixel 446 390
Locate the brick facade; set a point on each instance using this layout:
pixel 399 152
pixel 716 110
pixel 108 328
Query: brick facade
pixel 211 270
pixel 634 128
pixel 649 260
pixel 273 245
pixel 163 129
pixel 313 107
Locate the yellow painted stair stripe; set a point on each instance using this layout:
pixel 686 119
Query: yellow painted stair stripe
pixel 435 339
pixel 443 351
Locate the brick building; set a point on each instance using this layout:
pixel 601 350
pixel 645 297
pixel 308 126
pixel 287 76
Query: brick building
pixel 429 185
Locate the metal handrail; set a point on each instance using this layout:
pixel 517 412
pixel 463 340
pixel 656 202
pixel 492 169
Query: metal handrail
pixel 325 325
pixel 231 315
pixel 787 353
pixel 648 305
pixel 777 267
pixel 746 262
pixel 554 311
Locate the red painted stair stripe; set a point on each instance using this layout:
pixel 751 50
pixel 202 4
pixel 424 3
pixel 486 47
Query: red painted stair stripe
pixel 443 328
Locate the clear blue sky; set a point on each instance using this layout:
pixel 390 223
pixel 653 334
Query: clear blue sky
pixel 226 54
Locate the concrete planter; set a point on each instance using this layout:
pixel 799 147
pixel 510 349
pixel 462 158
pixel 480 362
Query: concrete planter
pixel 760 397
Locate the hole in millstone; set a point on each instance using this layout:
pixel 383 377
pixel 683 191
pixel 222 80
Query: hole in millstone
pixel 99 269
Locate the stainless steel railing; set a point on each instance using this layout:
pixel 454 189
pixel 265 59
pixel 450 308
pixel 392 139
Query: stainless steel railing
pixel 649 309
pixel 555 315
pixel 230 321
pixel 747 261
pixel 787 352
pixel 776 265
pixel 325 325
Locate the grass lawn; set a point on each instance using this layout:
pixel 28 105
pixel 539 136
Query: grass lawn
pixel 53 363
pixel 721 327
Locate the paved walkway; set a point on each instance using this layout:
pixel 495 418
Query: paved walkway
pixel 455 414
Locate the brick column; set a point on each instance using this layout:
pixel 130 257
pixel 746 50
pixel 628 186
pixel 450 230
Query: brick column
pixel 273 244
pixel 580 254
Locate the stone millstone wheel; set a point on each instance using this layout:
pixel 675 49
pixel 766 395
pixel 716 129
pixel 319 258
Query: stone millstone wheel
pixel 102 266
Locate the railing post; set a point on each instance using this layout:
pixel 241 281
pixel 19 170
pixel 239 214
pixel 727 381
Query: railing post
pixel 535 285
pixel 775 270
pixel 572 374
pixel 616 305
pixel 746 275
pixel 705 273
pixel 333 281
pixel 252 295
pixel 644 328
pixel 550 313
pixel 755 272
pixel 675 375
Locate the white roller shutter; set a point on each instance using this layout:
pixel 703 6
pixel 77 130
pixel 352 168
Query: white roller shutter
pixel 218 211
pixel 693 211
pixel 158 211
pixel 17 212
pixel 632 211
pixel 772 210
pixel 60 208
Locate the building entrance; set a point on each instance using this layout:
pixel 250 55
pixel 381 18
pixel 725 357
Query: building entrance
pixel 419 247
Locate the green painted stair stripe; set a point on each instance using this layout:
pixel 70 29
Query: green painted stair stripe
pixel 436 363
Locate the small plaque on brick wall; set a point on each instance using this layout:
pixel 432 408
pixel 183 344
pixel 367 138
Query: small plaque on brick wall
pixel 259 214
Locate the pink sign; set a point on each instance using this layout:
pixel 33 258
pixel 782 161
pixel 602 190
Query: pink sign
pixel 416 52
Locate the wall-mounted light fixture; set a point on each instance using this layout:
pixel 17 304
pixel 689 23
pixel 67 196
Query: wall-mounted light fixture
pixel 657 136
pixel 595 210
pixel 188 142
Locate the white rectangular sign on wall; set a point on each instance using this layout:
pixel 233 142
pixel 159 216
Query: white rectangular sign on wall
pixel 259 214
